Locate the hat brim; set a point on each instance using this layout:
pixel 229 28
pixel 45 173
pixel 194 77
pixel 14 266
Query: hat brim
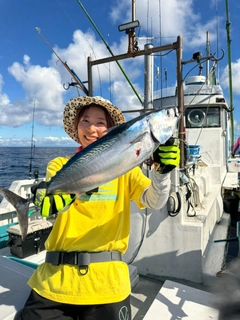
pixel 74 104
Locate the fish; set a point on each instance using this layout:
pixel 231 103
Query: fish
pixel 117 152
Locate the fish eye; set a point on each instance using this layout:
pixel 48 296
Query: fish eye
pixel 170 112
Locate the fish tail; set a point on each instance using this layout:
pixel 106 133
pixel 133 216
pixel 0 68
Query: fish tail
pixel 22 207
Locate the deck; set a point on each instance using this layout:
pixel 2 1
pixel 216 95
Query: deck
pixel 150 297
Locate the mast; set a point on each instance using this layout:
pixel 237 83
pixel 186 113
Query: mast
pixel 228 23
pixel 148 78
pixel 180 100
pixel 133 10
pixel 207 54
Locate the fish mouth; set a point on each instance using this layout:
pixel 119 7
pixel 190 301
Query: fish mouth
pixel 155 140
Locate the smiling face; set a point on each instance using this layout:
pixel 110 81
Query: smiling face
pixel 92 125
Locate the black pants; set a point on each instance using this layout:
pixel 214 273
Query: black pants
pixel 39 308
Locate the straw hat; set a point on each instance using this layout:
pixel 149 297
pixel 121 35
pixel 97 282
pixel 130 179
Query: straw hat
pixel 74 104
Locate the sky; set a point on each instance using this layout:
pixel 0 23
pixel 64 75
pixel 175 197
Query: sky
pixel 33 81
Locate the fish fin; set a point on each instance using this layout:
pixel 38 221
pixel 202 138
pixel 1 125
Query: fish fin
pixel 21 205
pixel 138 139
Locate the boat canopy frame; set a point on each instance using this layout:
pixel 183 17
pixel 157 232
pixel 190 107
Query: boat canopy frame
pixel 177 46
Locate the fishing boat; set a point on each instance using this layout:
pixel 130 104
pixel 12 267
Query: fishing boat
pixel 173 257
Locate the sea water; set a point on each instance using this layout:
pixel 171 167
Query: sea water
pixel 15 162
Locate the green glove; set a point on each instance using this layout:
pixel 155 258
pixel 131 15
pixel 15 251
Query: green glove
pixel 166 157
pixel 39 192
pixel 50 204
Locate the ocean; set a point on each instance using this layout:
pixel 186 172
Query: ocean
pixel 15 162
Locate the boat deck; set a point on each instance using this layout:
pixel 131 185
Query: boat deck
pixel 150 297
pixel 143 293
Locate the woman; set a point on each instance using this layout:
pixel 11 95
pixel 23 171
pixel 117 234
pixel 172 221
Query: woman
pixel 84 276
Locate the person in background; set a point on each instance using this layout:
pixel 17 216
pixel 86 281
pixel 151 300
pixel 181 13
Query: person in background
pixel 84 276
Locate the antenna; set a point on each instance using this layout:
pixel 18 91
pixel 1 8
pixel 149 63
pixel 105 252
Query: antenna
pixel 157 77
pixel 166 77
pixel 160 43
pixel 207 54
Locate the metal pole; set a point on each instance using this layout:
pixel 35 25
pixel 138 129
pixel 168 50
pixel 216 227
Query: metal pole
pixel 180 99
pixel 90 84
pixel 207 54
pixel 228 23
pixel 132 33
pixel 133 10
pixel 134 54
pixel 148 78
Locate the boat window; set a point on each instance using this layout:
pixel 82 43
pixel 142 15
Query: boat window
pixel 202 117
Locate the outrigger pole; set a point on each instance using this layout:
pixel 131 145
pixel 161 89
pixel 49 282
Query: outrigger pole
pixel 228 23
pixel 71 71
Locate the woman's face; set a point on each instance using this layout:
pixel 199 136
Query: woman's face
pixel 92 125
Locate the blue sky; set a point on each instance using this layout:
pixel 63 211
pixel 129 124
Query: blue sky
pixel 30 74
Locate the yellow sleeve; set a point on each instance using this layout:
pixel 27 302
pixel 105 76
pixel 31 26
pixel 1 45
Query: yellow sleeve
pixel 138 183
pixel 54 166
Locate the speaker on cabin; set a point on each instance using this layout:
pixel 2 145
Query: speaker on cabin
pixel 196 118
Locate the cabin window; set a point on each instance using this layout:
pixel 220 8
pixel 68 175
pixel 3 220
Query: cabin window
pixel 202 117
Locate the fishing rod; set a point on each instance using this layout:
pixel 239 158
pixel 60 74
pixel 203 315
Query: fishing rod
pixel 32 143
pixel 71 71
pixel 109 49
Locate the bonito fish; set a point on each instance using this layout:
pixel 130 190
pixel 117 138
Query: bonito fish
pixel 120 150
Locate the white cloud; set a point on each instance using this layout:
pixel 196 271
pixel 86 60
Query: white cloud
pixel 88 46
pixel 170 18
pixel 122 8
pixel 39 142
pixel 43 85
pixel 236 126
pixel 224 79
pixel 128 100
pixel 4 99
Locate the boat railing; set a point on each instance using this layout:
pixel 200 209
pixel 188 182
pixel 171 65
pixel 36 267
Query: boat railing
pixel 192 89
pixel 164 93
pixel 203 89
